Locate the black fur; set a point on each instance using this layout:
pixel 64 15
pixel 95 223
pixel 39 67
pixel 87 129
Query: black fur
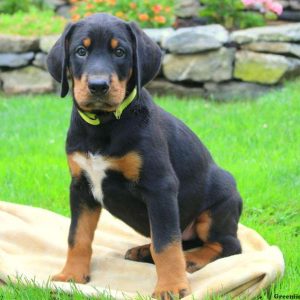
pixel 178 179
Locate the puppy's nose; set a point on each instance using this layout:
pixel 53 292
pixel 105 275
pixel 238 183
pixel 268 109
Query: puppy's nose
pixel 98 86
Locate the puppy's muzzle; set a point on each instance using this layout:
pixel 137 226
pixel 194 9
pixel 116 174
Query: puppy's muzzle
pixel 98 86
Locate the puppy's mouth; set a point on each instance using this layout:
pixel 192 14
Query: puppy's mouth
pixel 100 104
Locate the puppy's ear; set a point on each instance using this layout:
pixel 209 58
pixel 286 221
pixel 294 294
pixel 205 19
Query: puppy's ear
pixel 146 56
pixel 58 59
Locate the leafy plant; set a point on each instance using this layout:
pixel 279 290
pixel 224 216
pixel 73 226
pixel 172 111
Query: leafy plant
pixel 34 22
pixel 148 13
pixel 231 14
pixel 13 6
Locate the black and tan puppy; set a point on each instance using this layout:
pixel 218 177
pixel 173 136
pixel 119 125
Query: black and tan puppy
pixel 131 157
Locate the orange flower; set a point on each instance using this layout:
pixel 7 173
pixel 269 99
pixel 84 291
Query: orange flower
pixel 157 8
pixel 168 9
pixel 87 14
pixel 89 6
pixel 133 5
pixel 160 19
pixel 98 1
pixel 112 2
pixel 143 17
pixel 75 17
pixel 119 14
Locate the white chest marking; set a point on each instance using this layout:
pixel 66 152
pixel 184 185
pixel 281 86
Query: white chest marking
pixel 94 167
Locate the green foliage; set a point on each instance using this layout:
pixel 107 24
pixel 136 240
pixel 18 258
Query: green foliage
pixel 231 14
pixel 148 13
pixel 13 6
pixel 250 19
pixel 34 22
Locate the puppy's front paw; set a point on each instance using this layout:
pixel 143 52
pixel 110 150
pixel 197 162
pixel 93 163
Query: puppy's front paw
pixel 69 276
pixel 171 292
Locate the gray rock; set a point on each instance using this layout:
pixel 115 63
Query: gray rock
pixel 162 87
pixel 234 90
pixel 16 44
pixel 26 80
pixel 196 39
pixel 210 66
pixel 47 42
pixel 264 68
pixel 284 3
pixel 55 3
pixel 273 47
pixel 40 60
pixel 186 8
pixel 279 33
pixel 157 34
pixel 13 60
pixel 64 11
pixel 295 4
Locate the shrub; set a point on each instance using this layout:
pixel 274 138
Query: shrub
pixel 13 6
pixel 148 13
pixel 231 14
pixel 34 22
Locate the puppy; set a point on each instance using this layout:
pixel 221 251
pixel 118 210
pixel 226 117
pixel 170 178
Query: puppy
pixel 129 156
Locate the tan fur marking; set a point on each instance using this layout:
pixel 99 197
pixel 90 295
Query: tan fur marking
pixel 81 91
pixel 115 96
pixel 203 225
pixel 87 42
pixel 138 253
pixel 129 165
pixel 114 43
pixel 118 90
pixel 170 268
pixel 77 266
pixel 200 257
pixel 75 169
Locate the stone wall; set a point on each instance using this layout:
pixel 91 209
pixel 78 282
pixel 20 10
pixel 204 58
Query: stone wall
pixel 198 61
pixel 291 10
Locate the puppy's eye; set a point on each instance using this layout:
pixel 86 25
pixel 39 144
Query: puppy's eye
pixel 119 52
pixel 81 51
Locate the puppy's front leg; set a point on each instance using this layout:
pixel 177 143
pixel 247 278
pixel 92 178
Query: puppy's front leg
pixel 84 218
pixel 166 248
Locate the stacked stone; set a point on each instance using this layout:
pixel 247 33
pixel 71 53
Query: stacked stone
pixel 268 54
pixel 204 61
pixel 291 10
pixel 22 66
pixel 208 61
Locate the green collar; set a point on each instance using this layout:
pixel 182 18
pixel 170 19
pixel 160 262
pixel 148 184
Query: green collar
pixel 92 119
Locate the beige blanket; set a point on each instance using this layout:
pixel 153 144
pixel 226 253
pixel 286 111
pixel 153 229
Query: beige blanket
pixel 33 243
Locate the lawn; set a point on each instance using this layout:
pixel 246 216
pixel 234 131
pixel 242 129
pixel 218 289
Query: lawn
pixel 258 141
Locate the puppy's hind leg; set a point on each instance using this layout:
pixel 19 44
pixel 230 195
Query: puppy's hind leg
pixel 140 254
pixel 217 226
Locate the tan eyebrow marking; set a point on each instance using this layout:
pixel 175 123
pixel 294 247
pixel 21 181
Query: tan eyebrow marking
pixel 114 43
pixel 87 42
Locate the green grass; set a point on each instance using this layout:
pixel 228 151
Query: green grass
pixel 32 23
pixel 258 141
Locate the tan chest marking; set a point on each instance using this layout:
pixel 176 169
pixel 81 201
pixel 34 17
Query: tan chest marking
pixel 95 167
pixel 129 165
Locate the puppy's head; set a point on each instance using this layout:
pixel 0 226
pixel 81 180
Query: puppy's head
pixel 106 59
